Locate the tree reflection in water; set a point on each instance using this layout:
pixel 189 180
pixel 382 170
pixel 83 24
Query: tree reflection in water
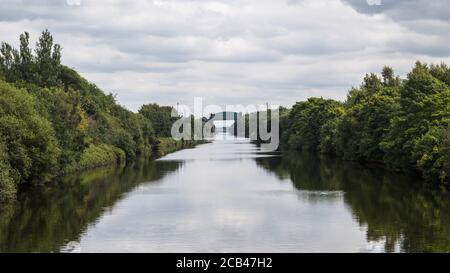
pixel 396 208
pixel 44 219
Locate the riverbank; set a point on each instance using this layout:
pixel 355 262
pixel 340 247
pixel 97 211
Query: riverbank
pixel 105 157
pixel 225 196
pixel 54 122
pixel 401 123
pixel 166 145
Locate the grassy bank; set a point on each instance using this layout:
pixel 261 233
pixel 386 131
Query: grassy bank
pixel 166 145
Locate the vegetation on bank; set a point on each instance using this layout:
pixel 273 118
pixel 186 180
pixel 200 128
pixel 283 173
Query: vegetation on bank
pixel 166 145
pixel 53 121
pixel 403 123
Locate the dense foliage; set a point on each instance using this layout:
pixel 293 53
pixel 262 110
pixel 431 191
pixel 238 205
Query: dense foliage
pixel 160 116
pixel 402 123
pixel 53 121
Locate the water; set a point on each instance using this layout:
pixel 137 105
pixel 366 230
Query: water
pixel 230 196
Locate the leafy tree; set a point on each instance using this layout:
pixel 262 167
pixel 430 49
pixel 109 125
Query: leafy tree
pixel 30 142
pixel 160 117
pixel 20 65
pixel 48 59
pixel 26 65
pixel 53 121
pixel 445 148
pixel 402 123
pixel 441 72
pixel 9 58
pixel 369 110
pixel 69 120
pixel 424 104
pixel 307 119
pixel 7 183
pixel 329 135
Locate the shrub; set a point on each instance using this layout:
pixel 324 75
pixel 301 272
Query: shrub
pixel 7 183
pixel 29 139
pixel 101 155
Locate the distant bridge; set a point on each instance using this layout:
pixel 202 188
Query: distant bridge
pixel 227 116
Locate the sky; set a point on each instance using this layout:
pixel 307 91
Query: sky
pixel 233 52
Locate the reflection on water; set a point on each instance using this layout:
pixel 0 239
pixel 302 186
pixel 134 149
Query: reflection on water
pixel 397 210
pixel 47 218
pixel 230 196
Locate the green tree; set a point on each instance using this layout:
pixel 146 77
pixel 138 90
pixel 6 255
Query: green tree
pixel 9 59
pixel 48 59
pixel 369 110
pixel 7 183
pixel 30 142
pixel 26 65
pixel 306 122
pixel 441 72
pixel 424 104
pixel 69 120
pixel 160 118
pixel 53 121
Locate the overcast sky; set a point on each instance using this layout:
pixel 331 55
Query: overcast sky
pixel 233 52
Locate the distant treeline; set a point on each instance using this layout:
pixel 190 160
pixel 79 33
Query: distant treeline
pixel 53 121
pixel 403 123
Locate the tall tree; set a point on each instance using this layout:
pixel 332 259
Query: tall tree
pixel 9 58
pixel 26 65
pixel 419 101
pixel 48 59
pixel 369 110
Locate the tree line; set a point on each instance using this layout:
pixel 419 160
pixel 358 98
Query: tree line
pixel 53 121
pixel 402 123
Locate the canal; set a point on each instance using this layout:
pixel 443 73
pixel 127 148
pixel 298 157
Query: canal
pixel 230 196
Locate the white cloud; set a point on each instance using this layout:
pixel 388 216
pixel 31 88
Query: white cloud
pixel 246 52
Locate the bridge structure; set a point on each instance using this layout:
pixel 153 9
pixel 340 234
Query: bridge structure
pixel 227 116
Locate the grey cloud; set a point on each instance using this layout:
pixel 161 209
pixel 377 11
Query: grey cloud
pixel 125 66
pixel 13 10
pixel 405 9
pixel 429 19
pixel 247 51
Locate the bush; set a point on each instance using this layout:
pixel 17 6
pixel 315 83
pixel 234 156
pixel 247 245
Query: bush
pixel 160 117
pixel 165 145
pixel 101 155
pixel 7 183
pixel 29 139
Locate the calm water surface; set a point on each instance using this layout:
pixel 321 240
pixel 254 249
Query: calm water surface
pixel 230 196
